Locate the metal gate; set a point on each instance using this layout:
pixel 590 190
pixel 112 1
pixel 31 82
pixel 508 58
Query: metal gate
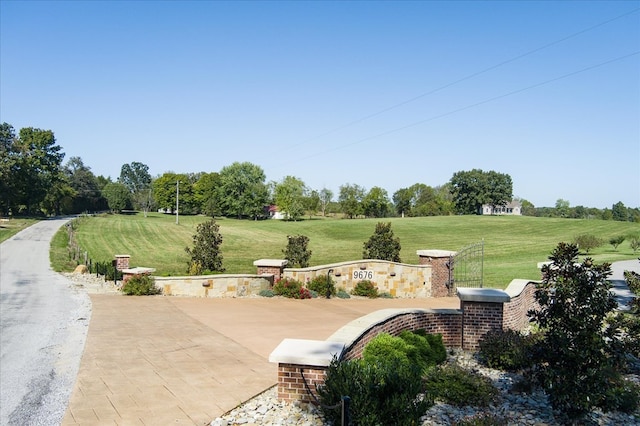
pixel 466 267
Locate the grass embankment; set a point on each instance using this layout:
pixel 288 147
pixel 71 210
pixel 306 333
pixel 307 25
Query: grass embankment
pixel 10 227
pixel 512 245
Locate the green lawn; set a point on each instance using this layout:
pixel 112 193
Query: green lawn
pixel 513 245
pixel 12 226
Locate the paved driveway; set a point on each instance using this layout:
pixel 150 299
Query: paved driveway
pixel 161 360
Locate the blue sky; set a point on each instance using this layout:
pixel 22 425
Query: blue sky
pixel 371 93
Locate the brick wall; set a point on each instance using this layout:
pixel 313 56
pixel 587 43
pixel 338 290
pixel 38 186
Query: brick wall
pixel 291 382
pixel 448 324
pixel 522 300
pixel 439 262
pixel 122 261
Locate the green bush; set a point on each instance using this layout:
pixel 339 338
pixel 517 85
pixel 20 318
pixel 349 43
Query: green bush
pixel 290 288
pixel 616 241
pixel 408 348
pixel 587 242
pixel 365 288
pixel 633 281
pixel 454 385
pixel 267 292
pixel 506 350
pixel 342 294
pixel 381 393
pixel 621 395
pixel 320 283
pixel 140 285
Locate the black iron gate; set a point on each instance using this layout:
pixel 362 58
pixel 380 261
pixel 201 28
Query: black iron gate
pixel 466 267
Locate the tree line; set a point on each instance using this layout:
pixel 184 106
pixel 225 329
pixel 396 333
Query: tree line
pixel 34 180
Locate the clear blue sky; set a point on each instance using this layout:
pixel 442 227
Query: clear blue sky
pixel 371 93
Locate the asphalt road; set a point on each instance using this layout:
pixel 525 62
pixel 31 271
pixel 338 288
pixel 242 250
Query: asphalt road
pixel 43 326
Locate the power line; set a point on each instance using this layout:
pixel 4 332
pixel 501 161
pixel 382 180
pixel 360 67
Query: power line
pixel 476 104
pixel 468 77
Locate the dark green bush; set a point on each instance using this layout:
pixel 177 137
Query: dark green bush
pixel 506 350
pixel 342 294
pixel 381 393
pixel 290 288
pixel 140 285
pixel 633 281
pixel 454 385
pixel 622 395
pixel 385 348
pixel 320 283
pixel 365 288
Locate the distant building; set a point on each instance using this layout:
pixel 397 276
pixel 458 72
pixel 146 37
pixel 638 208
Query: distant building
pixel 511 208
pixel 274 213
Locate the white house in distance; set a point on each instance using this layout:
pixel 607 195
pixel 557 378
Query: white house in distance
pixel 511 208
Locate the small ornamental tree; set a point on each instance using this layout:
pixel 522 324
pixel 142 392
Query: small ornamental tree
pixel 587 242
pixel 616 241
pixel 578 359
pixel 296 252
pixel 382 245
pixel 205 254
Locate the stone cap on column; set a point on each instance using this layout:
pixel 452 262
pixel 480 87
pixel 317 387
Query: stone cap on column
pixel 487 295
pixel 306 352
pixel 436 253
pixel 272 263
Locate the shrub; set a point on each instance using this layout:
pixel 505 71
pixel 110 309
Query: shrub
pixel 140 285
pixel 388 349
pixel 381 393
pixel 616 241
pixel 291 288
pixel 382 244
pixel 633 281
pixel 621 395
pixel 587 242
pixel 205 254
pixel 385 295
pixel 320 284
pixel 506 350
pixel 634 243
pixel 267 292
pixel 408 348
pixel 365 288
pixel 577 350
pixel 454 385
pixel 297 252
pixel 342 294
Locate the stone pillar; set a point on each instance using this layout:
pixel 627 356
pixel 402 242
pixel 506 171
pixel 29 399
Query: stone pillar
pixel 122 261
pixel 439 261
pixel 482 312
pixel 270 267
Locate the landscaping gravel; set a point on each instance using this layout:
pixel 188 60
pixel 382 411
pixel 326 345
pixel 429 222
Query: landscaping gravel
pixel 514 408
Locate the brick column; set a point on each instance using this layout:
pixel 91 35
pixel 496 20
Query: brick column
pixel 482 312
pixel 439 261
pixel 122 261
pixel 270 267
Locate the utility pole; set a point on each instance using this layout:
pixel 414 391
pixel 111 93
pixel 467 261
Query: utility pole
pixel 177 202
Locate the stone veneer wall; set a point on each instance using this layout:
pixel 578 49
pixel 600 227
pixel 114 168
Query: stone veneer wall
pixel 232 285
pixel 397 279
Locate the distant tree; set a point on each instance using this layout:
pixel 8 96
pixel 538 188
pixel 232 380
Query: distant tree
pixel 118 197
pixel 616 241
pixel 136 178
pixel 242 191
pixel 205 254
pixel 471 189
pixel 166 188
pixel 87 195
pixel 297 252
pixel 326 196
pixel 205 193
pixel 587 242
pixel 527 209
pixel 619 212
pixel 402 201
pixel 562 208
pixel 8 159
pixel 382 244
pixel 289 196
pixel 312 202
pixel 350 200
pixel 35 163
pixel 376 203
pixel 634 243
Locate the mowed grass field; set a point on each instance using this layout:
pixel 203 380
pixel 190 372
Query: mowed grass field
pixel 513 245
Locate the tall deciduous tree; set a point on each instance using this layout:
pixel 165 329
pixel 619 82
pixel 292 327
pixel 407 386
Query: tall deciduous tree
pixel 376 203
pixel 82 180
pixel 135 176
pixel 350 200
pixel 326 195
pixel 289 197
pixel 205 190
pixel 8 158
pixel 242 191
pixel 471 189
pixel 170 186
pixel 118 196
